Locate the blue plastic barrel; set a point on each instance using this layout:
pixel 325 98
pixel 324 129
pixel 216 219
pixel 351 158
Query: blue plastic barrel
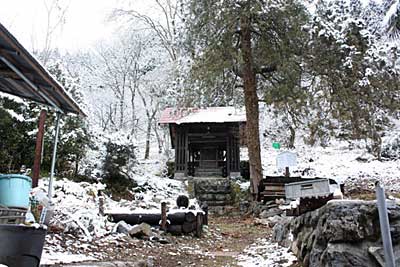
pixel 15 190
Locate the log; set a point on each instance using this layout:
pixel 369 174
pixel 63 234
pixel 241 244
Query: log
pixel 190 217
pixel 177 217
pixel 150 218
pixel 188 227
pixel 132 219
pixel 174 229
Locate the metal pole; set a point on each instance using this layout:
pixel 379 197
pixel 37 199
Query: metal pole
pixel 385 226
pixel 53 161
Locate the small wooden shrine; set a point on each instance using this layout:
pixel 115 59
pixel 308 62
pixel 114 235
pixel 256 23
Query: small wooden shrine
pixel 206 141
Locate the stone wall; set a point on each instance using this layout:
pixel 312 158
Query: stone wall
pixel 213 191
pixel 341 233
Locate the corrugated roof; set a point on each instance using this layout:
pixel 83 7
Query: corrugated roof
pixel 197 115
pixel 23 76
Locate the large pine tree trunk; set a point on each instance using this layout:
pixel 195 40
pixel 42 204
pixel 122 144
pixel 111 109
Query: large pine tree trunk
pixel 251 103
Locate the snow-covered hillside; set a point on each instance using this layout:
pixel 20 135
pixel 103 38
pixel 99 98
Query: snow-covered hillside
pixel 340 160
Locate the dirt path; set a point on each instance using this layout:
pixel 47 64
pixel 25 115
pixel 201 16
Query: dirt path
pixel 224 239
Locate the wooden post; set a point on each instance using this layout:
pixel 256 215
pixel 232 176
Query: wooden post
pixel 287 172
pixel 228 155
pixel 186 138
pixel 204 207
pixel 199 224
pixel 163 216
pixel 38 149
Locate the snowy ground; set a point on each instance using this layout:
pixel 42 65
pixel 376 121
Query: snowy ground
pixel 78 228
pixel 80 234
pixel 77 223
pixel 265 253
pixel 339 160
pixel 336 161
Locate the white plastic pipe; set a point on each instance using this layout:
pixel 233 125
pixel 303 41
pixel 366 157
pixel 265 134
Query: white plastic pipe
pixel 385 226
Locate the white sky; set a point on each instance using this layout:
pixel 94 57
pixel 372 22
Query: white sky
pixel 85 22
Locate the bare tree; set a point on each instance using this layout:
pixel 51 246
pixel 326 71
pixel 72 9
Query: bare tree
pixel 164 26
pixel 121 71
pixel 55 20
pixel 151 104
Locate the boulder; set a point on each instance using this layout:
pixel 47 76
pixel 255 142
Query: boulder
pixel 122 227
pixel 270 213
pixel 272 221
pixel 145 263
pixel 140 230
pixel 341 233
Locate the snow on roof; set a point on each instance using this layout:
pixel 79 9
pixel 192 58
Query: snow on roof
pixel 196 115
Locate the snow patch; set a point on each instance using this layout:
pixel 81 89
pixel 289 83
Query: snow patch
pixel 52 258
pixel 265 253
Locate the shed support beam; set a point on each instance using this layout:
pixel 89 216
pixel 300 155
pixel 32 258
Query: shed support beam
pixel 38 149
pixel 54 157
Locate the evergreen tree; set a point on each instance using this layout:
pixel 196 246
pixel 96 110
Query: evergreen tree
pixel 17 139
pixel 74 138
pixel 244 41
pixel 355 77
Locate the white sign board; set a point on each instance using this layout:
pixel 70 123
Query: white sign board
pixel 286 159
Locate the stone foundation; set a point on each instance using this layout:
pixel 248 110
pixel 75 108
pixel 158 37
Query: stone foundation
pixel 216 192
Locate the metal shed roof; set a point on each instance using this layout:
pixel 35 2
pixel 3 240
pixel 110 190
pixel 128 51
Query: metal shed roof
pixel 22 75
pixel 204 115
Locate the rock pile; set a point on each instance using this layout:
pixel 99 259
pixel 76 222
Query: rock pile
pixel 141 231
pixel 341 233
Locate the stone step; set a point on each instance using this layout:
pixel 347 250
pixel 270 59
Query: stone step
pixel 209 170
pixel 208 173
pixel 218 203
pixel 205 186
pixel 214 197
pixel 213 191
pixel 221 210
